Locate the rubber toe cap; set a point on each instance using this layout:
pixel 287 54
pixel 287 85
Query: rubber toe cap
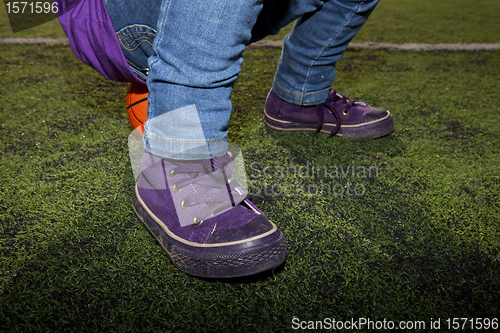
pixel 376 114
pixel 256 227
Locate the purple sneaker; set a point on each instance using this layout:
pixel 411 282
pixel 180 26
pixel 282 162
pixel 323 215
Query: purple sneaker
pixel 338 115
pixel 204 220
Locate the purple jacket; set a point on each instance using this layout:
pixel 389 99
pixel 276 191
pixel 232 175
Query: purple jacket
pixel 93 39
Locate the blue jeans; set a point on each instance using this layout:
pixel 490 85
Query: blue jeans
pixel 190 53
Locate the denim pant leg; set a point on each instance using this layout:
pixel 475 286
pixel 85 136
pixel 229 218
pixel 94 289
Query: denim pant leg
pixel 198 55
pixel 306 69
pixel 135 26
pixel 276 14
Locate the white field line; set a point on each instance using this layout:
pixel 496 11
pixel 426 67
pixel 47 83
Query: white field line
pixel 403 47
pixel 33 41
pixel 279 44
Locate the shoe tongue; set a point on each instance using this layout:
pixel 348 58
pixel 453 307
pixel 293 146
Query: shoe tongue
pixel 217 163
pixel 340 98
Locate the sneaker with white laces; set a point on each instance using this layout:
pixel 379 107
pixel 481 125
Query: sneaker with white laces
pixel 204 220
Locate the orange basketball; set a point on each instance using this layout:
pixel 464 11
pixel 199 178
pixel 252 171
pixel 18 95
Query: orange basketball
pixel 137 105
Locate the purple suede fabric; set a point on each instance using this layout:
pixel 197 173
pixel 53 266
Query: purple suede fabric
pixel 280 109
pixel 155 191
pixel 93 39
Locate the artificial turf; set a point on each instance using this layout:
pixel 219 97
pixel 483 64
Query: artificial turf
pixel 415 238
pixel 393 21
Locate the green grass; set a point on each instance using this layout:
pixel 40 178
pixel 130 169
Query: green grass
pixel 51 29
pixel 433 21
pixel 428 21
pixel 393 21
pixel 421 242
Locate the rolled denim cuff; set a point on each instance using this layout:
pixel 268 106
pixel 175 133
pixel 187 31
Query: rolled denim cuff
pixel 300 99
pixel 184 150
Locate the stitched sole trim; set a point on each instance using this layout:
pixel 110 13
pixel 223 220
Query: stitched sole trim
pixel 371 130
pixel 225 261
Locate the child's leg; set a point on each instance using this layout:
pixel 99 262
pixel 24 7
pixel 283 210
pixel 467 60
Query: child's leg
pixel 186 191
pixel 135 25
pixel 306 69
pixel 302 98
pixel 198 55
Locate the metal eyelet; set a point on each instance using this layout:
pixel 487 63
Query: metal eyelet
pixel 175 189
pixel 182 205
pixel 172 173
pixel 195 222
pixel 345 112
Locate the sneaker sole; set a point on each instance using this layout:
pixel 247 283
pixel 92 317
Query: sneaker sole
pixel 226 260
pixel 370 130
